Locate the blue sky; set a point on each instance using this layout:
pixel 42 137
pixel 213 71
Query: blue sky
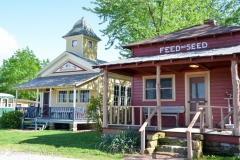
pixel 40 25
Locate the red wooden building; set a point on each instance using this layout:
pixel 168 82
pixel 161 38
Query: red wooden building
pixel 192 68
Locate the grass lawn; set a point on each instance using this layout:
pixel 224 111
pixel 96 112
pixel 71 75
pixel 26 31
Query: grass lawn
pixel 81 145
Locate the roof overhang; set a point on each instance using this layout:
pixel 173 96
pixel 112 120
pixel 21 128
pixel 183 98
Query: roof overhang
pixel 208 55
pixel 64 81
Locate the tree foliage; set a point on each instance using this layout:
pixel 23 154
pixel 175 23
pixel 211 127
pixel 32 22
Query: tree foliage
pixel 134 20
pixel 94 112
pixel 21 67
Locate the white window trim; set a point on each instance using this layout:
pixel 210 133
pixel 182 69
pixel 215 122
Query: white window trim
pixel 68 93
pixel 119 96
pixel 154 77
pixel 89 41
pixel 88 95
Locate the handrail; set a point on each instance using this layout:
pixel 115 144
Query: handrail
pixel 142 130
pixel 22 125
pixel 189 131
pixel 44 111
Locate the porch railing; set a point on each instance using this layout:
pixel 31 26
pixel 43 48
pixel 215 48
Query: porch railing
pixel 29 112
pixel 119 115
pixel 201 126
pixel 67 113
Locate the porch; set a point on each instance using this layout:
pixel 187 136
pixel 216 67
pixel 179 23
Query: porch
pixel 51 115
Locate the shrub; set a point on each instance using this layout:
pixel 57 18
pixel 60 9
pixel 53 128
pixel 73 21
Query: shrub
pixel 94 112
pixel 11 120
pixel 127 141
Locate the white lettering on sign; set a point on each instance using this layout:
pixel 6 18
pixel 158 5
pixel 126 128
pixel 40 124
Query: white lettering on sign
pixel 188 47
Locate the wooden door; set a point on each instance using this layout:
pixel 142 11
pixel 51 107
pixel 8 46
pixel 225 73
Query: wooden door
pixel 197 92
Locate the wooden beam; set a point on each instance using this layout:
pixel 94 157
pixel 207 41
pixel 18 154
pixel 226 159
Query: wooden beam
pixel 158 94
pixel 105 93
pixel 236 104
pixel 200 65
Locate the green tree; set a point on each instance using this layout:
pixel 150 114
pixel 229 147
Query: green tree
pixel 20 68
pixel 94 112
pixel 134 20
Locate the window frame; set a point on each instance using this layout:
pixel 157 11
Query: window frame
pixel 120 96
pixel 144 78
pixel 90 44
pixel 58 96
pixel 83 98
pixel 78 92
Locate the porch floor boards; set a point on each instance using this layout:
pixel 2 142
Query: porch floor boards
pixel 171 129
pixel 44 120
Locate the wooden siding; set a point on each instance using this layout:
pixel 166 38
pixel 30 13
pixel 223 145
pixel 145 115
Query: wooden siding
pixel 137 99
pixel 222 40
pixel 220 83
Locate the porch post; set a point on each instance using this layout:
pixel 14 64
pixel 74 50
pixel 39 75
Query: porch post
pixel 41 102
pixel 37 99
pixel 158 95
pixel 105 92
pixel 74 102
pixel 50 97
pixel 236 104
pixel 16 98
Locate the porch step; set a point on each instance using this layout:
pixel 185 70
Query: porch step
pixel 40 126
pixel 176 155
pixel 173 146
pixel 176 151
pixel 173 141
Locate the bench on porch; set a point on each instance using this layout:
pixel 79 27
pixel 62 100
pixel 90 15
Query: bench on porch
pixel 167 111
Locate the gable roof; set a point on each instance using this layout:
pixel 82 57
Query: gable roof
pixel 191 32
pixel 98 61
pixel 58 81
pixel 82 27
pixel 91 62
pixel 178 55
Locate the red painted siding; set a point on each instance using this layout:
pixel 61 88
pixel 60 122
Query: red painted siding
pixel 220 83
pixel 137 98
pixel 213 42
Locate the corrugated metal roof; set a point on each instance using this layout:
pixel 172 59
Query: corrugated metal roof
pixel 191 32
pixel 179 55
pixel 58 81
pixel 82 27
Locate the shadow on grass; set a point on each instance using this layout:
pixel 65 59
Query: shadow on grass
pixel 83 140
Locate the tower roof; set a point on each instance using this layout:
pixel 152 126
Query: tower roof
pixel 82 27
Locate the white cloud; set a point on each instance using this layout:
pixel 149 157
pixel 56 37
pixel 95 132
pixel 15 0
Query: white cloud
pixel 8 45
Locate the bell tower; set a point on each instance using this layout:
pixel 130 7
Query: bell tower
pixel 82 40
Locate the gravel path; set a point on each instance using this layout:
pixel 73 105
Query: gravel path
pixel 14 155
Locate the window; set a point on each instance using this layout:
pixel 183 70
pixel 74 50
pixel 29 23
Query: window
pixel 167 88
pixel 90 44
pixel 116 95
pixel 71 93
pixel 122 95
pixel 129 93
pixel 84 96
pixel 62 98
